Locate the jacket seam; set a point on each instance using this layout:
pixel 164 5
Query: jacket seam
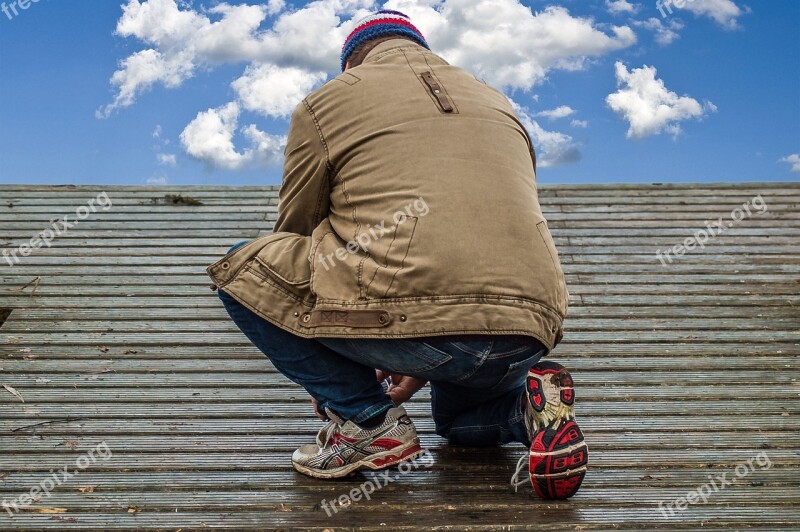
pixel 562 297
pixel 320 195
pixel 328 165
pixel 401 48
pixel 456 299
pixel 357 230
pixel 390 51
pixel 313 256
pixel 318 127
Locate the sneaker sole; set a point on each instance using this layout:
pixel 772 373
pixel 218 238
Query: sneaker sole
pixel 558 453
pixel 375 462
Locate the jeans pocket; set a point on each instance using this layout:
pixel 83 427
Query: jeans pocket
pixel 516 372
pixel 424 357
pixel 405 356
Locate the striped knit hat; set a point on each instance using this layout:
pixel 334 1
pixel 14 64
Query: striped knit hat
pixel 382 23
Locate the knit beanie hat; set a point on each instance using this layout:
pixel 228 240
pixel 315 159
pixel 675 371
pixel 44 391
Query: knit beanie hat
pixel 382 23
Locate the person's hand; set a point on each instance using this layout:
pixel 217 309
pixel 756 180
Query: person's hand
pixel 401 387
pixel 319 414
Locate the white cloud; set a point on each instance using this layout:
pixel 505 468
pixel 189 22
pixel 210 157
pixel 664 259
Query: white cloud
pixel 508 45
pixel 209 138
pixel 622 6
pixel 158 181
pixel 167 159
pixel 725 12
pixel 580 123
pixel 141 71
pixel 552 148
pixel 503 41
pixel 290 50
pixel 648 106
pixel 666 34
pixel 183 39
pixel 157 132
pixel 275 91
pixel 267 150
pixel 559 112
pixel 275 6
pixel 793 160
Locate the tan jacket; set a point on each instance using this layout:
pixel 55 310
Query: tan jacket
pixel 408 208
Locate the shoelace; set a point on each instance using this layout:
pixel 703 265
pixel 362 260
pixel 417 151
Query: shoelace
pixel 522 466
pixel 325 433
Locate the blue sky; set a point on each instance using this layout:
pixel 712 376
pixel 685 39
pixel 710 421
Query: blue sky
pixel 165 92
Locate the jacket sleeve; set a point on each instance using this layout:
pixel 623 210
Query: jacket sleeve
pixel 305 193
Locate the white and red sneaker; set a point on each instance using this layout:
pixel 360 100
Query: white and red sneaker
pixel 558 455
pixel 343 447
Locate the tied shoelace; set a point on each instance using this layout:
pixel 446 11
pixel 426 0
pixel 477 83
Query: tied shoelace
pixel 522 466
pixel 325 433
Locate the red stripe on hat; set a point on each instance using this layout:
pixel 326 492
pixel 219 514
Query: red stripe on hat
pixel 383 21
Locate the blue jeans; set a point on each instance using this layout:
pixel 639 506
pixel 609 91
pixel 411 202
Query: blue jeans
pixel 477 382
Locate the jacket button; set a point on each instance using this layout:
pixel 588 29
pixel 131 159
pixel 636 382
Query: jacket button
pixel 403 318
pixel 306 318
pixel 225 265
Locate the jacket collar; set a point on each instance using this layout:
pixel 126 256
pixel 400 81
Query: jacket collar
pixel 390 45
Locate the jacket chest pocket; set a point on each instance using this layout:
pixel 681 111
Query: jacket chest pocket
pixel 380 274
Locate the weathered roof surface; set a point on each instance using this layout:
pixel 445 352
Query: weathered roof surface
pixel 683 372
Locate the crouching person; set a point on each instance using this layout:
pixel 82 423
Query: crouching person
pixel 410 240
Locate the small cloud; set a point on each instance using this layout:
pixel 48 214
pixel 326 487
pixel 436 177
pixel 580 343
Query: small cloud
pixel 648 106
pixel 157 132
pixel 793 160
pixel 275 6
pixel 580 123
pixel 167 159
pixel 666 34
pixel 157 181
pixel 724 12
pixel 559 112
pixel 552 148
pixel 210 138
pixel 275 91
pixel 622 6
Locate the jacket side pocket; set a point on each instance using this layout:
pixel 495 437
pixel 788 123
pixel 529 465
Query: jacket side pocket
pixel 380 273
pixel 285 261
pixel 562 296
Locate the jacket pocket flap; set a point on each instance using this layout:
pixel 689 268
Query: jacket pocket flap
pixel 286 257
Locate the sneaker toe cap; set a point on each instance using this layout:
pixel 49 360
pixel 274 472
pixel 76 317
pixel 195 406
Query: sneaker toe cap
pixel 305 453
